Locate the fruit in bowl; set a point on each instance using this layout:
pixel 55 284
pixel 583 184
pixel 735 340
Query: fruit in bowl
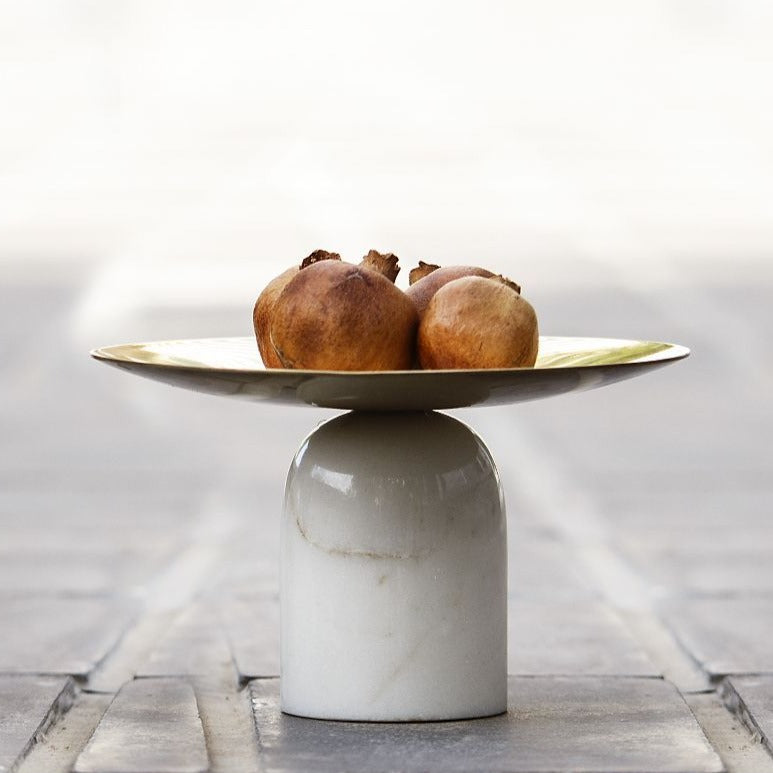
pixel 328 314
pixel 478 322
pixel 333 315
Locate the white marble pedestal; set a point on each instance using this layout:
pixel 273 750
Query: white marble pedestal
pixel 393 572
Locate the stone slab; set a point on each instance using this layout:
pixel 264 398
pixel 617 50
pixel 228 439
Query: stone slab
pixel 543 567
pixel 252 627
pixel 194 643
pixel 572 638
pixel 248 575
pixel 73 571
pixel 151 725
pixel 650 507
pixel 28 705
pixel 687 569
pixel 725 635
pixel 96 523
pixel 594 725
pixel 611 439
pixel 43 634
pixel 751 698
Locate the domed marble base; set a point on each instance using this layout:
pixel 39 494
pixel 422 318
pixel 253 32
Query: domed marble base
pixel 393 572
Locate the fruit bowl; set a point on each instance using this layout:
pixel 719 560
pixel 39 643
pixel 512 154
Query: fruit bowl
pixel 232 367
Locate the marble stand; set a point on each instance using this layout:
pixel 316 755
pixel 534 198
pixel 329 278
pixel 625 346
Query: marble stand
pixel 393 572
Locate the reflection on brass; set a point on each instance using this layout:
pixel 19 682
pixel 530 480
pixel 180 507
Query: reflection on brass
pixel 587 351
pixel 232 367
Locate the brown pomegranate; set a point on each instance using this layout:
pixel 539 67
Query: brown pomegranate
pixel 477 322
pixel 337 316
pixel 427 279
pixel 264 306
pixel 262 313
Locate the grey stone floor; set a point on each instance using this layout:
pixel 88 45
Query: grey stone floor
pixel 139 539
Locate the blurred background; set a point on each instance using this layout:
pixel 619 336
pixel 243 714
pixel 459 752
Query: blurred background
pixel 160 161
pixel 144 141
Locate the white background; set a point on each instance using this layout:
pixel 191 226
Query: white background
pixel 184 152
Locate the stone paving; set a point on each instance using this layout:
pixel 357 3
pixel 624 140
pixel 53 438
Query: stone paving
pixel 139 540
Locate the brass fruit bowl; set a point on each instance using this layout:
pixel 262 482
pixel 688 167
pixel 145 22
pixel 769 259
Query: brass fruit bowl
pixel 232 367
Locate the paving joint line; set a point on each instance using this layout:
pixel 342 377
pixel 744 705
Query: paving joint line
pixel 735 705
pixel 56 711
